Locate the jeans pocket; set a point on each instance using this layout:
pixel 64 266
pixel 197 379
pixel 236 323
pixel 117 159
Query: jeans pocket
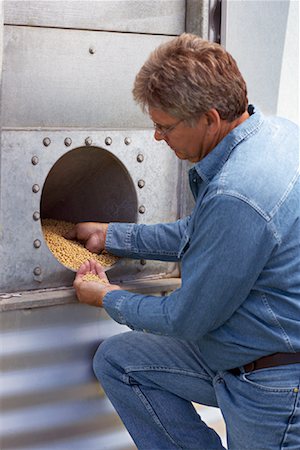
pixel 275 379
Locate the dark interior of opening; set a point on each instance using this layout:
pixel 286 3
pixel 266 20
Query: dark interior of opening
pixel 89 184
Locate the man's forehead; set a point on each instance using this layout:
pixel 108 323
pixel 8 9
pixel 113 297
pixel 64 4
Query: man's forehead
pixel 161 117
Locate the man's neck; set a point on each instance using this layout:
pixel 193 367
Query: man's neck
pixel 227 127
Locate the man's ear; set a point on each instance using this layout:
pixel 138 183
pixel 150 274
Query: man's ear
pixel 213 120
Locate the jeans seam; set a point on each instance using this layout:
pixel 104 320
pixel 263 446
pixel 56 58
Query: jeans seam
pixel 266 388
pixel 285 436
pixel 130 369
pixel 152 413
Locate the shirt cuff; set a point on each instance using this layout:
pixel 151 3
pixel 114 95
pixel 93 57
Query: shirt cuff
pixel 119 238
pixel 113 302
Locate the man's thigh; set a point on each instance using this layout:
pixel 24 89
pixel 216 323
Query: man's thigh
pixel 163 362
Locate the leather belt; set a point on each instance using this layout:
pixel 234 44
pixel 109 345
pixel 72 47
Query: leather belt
pixel 276 359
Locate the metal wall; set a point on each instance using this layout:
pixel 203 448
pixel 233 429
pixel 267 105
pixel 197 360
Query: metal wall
pixel 49 397
pixel 1 37
pixel 126 178
pixel 272 72
pixel 73 63
pixel 68 70
pixel 69 66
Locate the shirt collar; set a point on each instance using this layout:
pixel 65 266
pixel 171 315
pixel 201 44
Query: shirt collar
pixel 209 166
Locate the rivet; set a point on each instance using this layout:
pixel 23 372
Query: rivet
pixel 37 243
pixel 36 215
pixel 296 390
pixel 143 262
pixel 92 50
pixel 142 209
pixel 35 160
pixel 140 157
pixel 108 141
pixel 37 271
pixel 88 141
pixel 141 184
pixel 46 141
pixel 127 141
pixel 68 142
pixel 35 188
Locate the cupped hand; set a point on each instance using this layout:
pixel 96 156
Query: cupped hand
pixel 91 234
pixel 92 292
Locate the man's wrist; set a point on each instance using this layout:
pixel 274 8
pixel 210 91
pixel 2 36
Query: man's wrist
pixel 109 288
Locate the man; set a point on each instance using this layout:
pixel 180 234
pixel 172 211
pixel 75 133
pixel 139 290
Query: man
pixel 230 335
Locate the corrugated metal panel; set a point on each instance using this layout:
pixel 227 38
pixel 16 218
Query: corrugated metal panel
pixel 138 16
pixel 50 78
pixel 49 395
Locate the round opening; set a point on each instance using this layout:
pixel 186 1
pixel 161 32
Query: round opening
pixel 89 185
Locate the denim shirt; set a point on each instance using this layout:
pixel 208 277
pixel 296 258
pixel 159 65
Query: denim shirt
pixel 239 251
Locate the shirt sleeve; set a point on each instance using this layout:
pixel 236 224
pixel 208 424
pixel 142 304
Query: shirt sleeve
pixel 229 247
pixel 158 242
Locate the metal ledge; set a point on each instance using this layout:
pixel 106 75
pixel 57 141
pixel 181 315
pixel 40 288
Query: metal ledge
pixel 50 297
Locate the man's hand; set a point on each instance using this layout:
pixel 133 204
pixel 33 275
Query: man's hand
pixel 92 292
pixel 91 234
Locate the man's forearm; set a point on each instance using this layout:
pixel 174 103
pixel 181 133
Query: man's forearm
pixel 158 242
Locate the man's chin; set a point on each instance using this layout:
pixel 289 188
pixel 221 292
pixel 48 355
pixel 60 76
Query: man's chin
pixel 179 154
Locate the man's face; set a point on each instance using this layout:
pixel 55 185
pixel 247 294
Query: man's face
pixel 188 142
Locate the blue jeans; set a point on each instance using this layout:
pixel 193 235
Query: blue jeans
pixel 151 380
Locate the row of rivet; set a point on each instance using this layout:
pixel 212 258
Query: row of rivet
pixel 88 141
pixel 37 271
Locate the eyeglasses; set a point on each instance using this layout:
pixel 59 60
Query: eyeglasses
pixel 163 131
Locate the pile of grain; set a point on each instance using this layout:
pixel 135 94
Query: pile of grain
pixel 93 277
pixel 70 253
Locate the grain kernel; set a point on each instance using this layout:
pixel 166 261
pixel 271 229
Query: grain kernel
pixel 89 276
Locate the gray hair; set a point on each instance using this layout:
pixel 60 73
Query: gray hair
pixel 188 76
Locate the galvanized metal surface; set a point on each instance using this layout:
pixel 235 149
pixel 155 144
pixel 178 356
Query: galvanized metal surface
pixel 272 72
pixel 61 296
pixel 133 16
pixel 51 79
pixel 50 399
pixel 59 77
pixel 1 40
pixel 197 17
pixel 60 186
pixel 49 396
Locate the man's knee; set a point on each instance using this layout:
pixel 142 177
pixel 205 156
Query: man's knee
pixel 107 356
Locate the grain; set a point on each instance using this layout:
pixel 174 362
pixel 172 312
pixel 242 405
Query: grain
pixel 89 276
pixel 70 253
